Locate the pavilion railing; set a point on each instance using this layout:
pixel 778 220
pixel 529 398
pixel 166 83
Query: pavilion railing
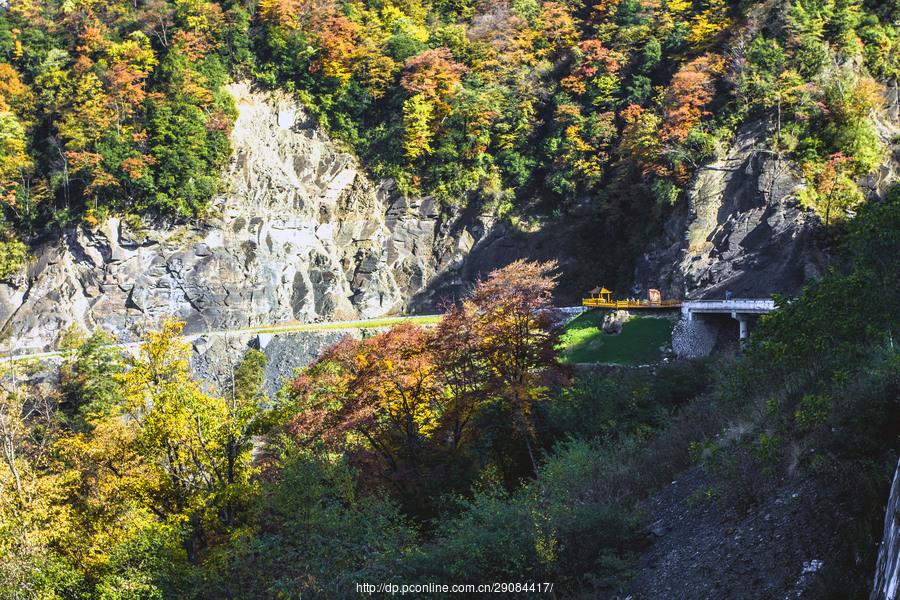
pixel 630 303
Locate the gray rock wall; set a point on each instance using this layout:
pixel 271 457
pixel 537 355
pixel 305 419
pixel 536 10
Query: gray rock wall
pixel 887 569
pixel 215 356
pixel 743 228
pixel 301 234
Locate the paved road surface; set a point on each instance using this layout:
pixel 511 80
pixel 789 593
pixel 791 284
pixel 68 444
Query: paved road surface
pixel 287 328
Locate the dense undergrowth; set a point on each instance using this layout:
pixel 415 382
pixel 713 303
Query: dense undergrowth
pixel 819 390
pixel 532 107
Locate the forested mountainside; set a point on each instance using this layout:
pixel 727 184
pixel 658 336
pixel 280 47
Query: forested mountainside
pixel 180 167
pixel 531 107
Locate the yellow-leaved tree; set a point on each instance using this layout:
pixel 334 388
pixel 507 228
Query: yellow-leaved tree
pixel 121 484
pixel 417 134
pixel 33 518
pixel 195 446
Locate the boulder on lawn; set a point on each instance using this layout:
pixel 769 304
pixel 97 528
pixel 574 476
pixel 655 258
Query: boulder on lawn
pixel 613 321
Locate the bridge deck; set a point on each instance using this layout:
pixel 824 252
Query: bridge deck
pixel 739 305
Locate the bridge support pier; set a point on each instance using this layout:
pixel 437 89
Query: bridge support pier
pixel 742 310
pixel 743 323
pixel 693 337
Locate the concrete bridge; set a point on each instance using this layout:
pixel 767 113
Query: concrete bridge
pixel 743 310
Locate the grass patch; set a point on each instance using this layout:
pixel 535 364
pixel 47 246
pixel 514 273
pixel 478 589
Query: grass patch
pixel 583 340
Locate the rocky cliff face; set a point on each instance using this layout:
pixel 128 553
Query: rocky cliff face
pixel 887 570
pixel 301 234
pixel 743 229
pixel 214 357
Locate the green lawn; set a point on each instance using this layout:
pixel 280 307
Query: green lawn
pixel 583 341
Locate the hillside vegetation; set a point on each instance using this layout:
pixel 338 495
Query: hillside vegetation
pixel 526 105
pixel 461 453
pixel 466 452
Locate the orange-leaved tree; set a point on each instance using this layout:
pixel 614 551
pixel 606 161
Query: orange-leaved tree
pixel 402 403
pixel 510 315
pixel 376 399
pixel 691 90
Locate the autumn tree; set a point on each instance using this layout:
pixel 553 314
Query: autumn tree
pixel 833 192
pixel 580 148
pixel 401 402
pixel 15 96
pixel 431 78
pixel 88 116
pixel 462 373
pixel 595 73
pixel 131 62
pixel 376 71
pixel 157 19
pixel 338 45
pixel 15 161
pixel 33 522
pixel 200 25
pixel 293 14
pixel 640 141
pixel 558 27
pixel 510 314
pixel 377 399
pixel 101 73
pixel 194 446
pixel 89 514
pixel 417 133
pixel 13 254
pixel 124 107
pixel 433 74
pixel 691 90
pixel 28 429
pixel 504 39
pixel 709 23
pixel 851 101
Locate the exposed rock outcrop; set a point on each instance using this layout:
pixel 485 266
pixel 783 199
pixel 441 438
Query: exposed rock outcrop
pixel 301 234
pixel 614 321
pixel 743 228
pixel 887 569
pixel 214 357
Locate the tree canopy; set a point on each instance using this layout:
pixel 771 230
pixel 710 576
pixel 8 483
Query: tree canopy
pixel 529 105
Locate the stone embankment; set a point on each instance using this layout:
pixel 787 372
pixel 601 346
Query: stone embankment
pixel 693 339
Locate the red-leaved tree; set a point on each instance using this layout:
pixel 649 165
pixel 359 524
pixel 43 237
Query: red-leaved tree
pixel 404 401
